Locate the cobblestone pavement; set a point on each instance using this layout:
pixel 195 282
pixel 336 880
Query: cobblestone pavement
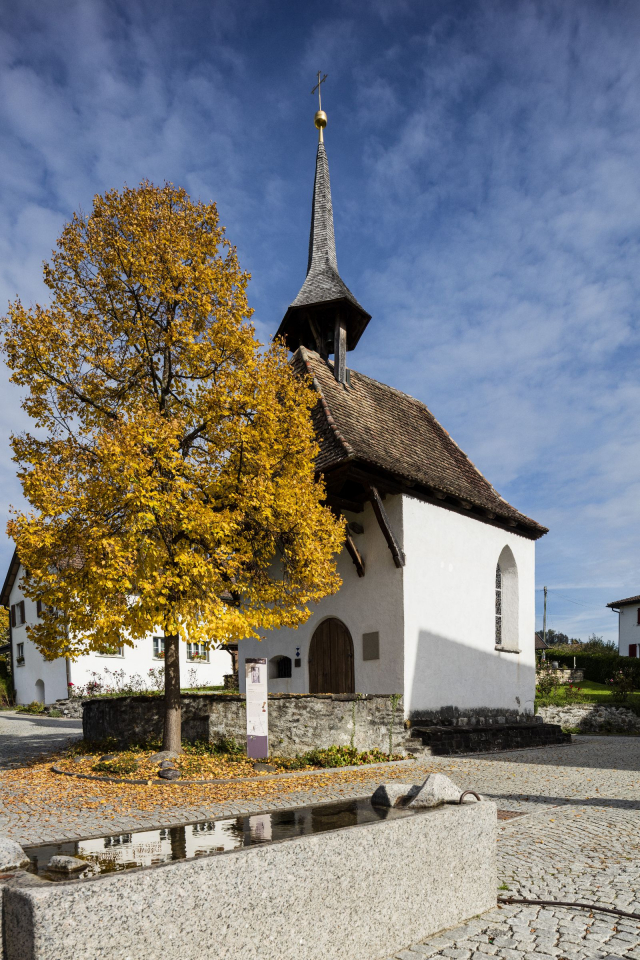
pixel 578 839
pixel 25 736
pixel 579 842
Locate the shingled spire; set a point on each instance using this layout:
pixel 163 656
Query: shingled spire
pixel 325 316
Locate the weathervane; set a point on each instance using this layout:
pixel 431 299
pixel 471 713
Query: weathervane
pixel 320 118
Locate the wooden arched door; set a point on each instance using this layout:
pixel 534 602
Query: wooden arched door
pixel 331 659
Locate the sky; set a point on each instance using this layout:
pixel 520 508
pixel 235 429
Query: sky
pixel 484 163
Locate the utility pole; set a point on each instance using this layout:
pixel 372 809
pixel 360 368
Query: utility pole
pixel 544 618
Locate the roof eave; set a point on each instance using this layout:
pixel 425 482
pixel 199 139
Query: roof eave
pixel 628 602
pixel 356 316
pixel 9 580
pixel 396 484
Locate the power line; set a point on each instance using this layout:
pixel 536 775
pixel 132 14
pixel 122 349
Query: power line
pixel 561 596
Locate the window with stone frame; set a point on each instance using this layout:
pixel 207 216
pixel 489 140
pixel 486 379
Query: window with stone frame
pixel 115 651
pixel 280 667
pixel 498 605
pixel 197 652
pixel 158 648
pixel 18 616
pixel 20 654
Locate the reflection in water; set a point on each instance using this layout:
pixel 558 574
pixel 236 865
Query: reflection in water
pixel 148 847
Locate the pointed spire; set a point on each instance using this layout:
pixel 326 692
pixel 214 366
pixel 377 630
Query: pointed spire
pixel 324 297
pixel 322 241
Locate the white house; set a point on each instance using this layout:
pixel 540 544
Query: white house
pixel 628 625
pixel 47 681
pixel 437 600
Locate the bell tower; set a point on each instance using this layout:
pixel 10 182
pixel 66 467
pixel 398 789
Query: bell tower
pixel 325 316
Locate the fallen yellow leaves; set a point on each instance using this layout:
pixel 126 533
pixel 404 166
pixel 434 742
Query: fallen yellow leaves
pixel 35 795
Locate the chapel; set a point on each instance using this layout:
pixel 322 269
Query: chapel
pixel 437 596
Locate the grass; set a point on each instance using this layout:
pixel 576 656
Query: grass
pixel 589 692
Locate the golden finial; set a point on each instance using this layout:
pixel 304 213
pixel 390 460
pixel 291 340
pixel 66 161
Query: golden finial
pixel 320 118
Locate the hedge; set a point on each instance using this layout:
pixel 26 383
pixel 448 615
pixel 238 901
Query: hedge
pixel 598 667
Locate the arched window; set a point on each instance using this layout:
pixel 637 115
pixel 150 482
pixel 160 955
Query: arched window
pixel 280 668
pixel 506 602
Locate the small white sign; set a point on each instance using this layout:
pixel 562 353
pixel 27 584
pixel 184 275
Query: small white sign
pixel 257 708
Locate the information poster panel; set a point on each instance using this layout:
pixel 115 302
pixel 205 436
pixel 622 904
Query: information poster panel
pixel 257 708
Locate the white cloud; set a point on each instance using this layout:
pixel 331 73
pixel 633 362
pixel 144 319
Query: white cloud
pixel 484 160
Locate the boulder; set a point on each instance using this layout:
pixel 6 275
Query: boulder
pixel 62 864
pixel 168 765
pixel 394 794
pixel 170 774
pixel 435 790
pixel 163 755
pixel 12 856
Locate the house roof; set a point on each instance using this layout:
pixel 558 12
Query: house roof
pixel 540 644
pixel 624 603
pixel 9 580
pixel 378 426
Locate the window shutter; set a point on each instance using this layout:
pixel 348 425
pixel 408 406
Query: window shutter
pixel 638 614
pixel 22 616
pixel 39 607
pixel 633 649
pixel 13 615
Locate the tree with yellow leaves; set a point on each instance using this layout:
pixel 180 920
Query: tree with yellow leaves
pixel 171 472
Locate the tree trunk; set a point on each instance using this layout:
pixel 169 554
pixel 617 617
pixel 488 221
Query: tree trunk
pixel 172 739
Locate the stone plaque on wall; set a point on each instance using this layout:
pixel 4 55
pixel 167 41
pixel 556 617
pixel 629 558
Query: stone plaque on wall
pixel 371 646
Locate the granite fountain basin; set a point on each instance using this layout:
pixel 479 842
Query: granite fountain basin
pixel 360 891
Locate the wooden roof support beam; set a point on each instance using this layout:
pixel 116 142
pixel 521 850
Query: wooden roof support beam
pixel 354 553
pixel 341 503
pixel 385 526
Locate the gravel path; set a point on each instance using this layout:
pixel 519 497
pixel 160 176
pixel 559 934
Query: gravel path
pixel 24 736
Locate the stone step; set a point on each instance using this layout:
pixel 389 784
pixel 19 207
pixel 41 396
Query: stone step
pixel 448 740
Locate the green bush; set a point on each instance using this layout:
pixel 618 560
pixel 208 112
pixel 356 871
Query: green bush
pixel 34 707
pixel 599 667
pixel 337 757
pixel 7 693
pixel 225 745
pixel 121 766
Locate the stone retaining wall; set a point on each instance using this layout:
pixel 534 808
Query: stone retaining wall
pixel 297 722
pixel 467 716
pixel 68 708
pixel 592 718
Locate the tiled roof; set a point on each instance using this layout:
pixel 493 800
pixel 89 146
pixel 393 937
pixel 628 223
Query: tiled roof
pixel 379 426
pixel 540 644
pixel 323 282
pixel 623 603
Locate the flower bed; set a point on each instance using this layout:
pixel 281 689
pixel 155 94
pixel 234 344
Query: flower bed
pixel 203 761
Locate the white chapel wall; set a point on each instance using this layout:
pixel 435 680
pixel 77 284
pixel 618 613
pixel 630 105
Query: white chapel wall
pixel 628 629
pixel 449 590
pixel 368 604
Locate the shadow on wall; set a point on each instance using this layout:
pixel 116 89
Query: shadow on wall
pixel 447 673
